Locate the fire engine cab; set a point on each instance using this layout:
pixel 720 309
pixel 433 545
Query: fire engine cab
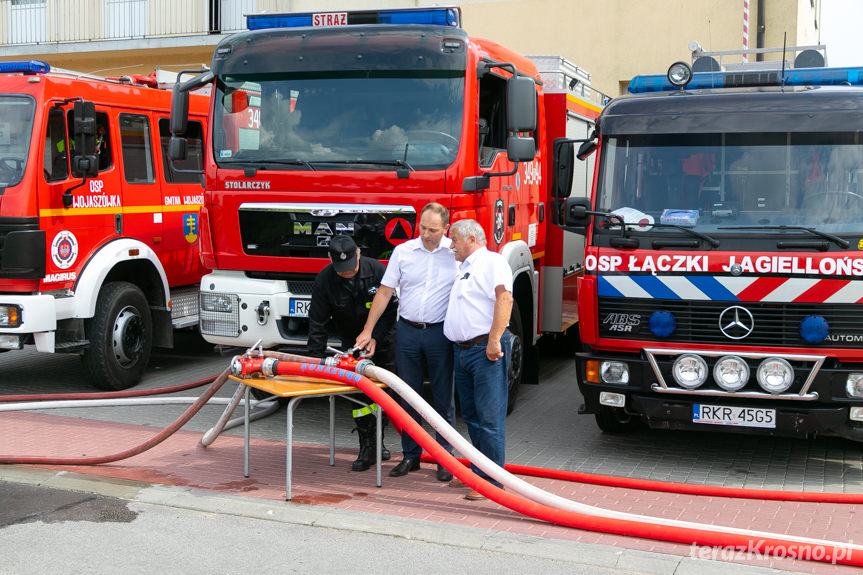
pixel 724 263
pixel 98 233
pixel 363 119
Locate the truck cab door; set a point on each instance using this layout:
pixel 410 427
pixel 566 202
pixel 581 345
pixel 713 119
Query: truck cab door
pixel 142 194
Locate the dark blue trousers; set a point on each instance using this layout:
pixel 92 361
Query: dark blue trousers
pixel 416 349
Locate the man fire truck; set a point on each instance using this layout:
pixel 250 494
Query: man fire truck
pixel 362 119
pixel 723 266
pixel 98 234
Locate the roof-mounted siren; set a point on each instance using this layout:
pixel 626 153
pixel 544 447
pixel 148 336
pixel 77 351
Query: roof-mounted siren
pixel 810 59
pixel 700 62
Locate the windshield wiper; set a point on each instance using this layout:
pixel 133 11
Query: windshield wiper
pixel 842 243
pixel 712 241
pixel 397 163
pixel 260 164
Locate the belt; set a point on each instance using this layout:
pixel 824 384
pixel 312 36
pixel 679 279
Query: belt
pixel 471 342
pixel 418 325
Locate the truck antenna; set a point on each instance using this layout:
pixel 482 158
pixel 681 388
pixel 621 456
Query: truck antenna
pixel 782 77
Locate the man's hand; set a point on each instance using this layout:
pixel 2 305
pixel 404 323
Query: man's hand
pixel 363 339
pixel 370 347
pixel 493 350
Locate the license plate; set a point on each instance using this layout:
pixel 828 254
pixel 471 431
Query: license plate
pixel 727 415
pixel 299 307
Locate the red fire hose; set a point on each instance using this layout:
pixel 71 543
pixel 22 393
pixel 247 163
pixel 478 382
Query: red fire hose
pixel 288 365
pixel 823 551
pixel 679 488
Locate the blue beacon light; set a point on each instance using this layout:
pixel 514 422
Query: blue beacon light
pixel 814 329
pixel 442 16
pixel 25 67
pixel 662 323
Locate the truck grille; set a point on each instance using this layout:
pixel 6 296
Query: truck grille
pixel 775 324
pixel 304 230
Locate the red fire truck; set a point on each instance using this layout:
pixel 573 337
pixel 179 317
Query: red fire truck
pixel 363 119
pixel 98 234
pixel 722 283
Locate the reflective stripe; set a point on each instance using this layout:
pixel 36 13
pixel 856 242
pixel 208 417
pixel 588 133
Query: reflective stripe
pixel 365 410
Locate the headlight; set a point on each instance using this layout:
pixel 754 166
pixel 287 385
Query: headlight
pixel 10 316
pixel 731 373
pixel 775 375
pixel 689 371
pixel 614 372
pixel 854 385
pixel 217 302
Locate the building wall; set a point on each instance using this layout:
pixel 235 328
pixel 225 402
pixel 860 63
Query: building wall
pixel 612 39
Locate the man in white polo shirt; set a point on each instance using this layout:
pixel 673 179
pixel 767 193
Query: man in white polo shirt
pixel 423 269
pixel 479 308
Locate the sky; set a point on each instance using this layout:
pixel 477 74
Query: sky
pixel 841 32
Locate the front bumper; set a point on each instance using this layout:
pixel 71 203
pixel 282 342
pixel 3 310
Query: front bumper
pixel 816 404
pixel 38 317
pixel 253 310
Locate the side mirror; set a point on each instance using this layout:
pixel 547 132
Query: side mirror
pixel 179 110
pixel 177 148
pixel 562 172
pixel 520 148
pixel 586 149
pixel 180 98
pixel 520 104
pixel 576 216
pixel 85 162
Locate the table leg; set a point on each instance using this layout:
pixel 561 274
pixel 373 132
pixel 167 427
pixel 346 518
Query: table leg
pixel 332 431
pixel 378 442
pixel 292 405
pixel 246 432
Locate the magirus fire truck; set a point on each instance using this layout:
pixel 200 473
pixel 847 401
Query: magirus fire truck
pixel 724 253
pixel 360 120
pixel 98 234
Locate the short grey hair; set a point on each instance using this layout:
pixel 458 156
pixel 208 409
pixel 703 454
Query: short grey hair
pixel 467 228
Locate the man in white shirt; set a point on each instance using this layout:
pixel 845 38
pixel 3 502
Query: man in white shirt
pixel 423 269
pixel 479 309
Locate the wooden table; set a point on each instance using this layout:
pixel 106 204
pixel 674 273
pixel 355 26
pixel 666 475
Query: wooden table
pixel 297 388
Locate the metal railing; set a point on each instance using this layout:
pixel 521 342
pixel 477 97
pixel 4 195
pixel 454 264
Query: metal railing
pixel 47 22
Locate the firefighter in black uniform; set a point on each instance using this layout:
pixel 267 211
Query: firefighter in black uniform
pixel 344 291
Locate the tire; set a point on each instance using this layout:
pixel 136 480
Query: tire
pixel 615 420
pixel 515 368
pixel 120 335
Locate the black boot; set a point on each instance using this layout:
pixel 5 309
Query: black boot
pixel 366 428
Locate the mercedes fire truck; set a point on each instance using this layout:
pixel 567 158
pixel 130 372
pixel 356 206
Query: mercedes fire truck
pixel 724 262
pixel 98 234
pixel 349 123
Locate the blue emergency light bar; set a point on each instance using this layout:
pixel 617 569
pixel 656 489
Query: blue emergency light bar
pixel 438 16
pixel 25 67
pixel 793 77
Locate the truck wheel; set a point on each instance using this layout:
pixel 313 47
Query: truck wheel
pixel 516 358
pixel 615 420
pixel 120 335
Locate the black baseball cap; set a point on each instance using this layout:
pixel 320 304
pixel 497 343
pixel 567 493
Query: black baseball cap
pixel 343 253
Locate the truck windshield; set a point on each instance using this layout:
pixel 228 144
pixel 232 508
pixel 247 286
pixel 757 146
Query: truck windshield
pixel 339 121
pixel 714 181
pixel 16 128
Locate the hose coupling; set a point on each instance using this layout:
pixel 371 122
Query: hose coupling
pixel 269 366
pixel 362 364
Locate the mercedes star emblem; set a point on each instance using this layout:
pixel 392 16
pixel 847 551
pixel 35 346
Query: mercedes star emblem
pixel 736 322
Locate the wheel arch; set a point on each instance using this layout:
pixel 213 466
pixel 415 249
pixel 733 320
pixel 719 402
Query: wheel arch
pixel 524 283
pixel 124 259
